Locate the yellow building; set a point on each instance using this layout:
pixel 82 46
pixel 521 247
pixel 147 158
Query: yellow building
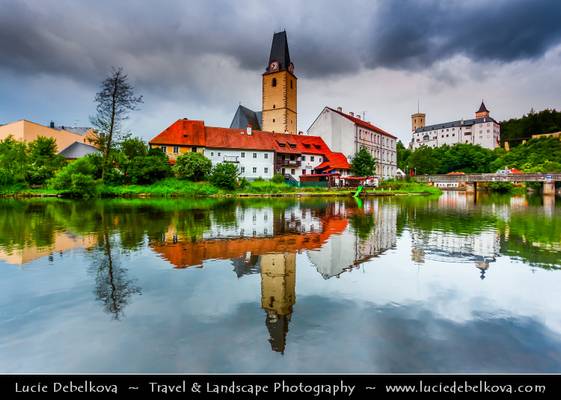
pixel 27 131
pixel 547 135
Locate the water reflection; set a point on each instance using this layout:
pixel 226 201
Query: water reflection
pixel 276 239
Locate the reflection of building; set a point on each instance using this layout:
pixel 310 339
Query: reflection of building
pixel 374 232
pixel 62 241
pixel 278 295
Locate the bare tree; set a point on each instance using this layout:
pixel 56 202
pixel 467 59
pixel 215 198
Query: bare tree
pixel 115 101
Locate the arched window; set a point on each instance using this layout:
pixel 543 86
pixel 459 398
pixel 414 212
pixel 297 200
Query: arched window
pixel 274 82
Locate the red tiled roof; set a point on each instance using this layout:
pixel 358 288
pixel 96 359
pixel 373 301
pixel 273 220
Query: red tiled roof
pixel 363 123
pixel 182 132
pixel 334 161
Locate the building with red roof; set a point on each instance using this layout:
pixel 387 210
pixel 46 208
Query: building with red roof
pixel 347 133
pixel 258 154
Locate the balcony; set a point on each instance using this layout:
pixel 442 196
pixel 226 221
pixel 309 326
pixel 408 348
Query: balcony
pixel 279 162
pixel 231 159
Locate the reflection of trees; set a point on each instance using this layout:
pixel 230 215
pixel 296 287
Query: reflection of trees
pixel 362 224
pixel 113 288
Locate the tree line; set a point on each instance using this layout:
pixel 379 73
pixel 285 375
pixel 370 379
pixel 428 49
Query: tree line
pixel 536 155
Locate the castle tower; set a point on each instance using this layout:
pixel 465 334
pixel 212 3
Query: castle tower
pixel 279 89
pixel 482 112
pixel 417 121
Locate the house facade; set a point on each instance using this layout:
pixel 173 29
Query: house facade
pixel 481 130
pixel 347 133
pixel 257 154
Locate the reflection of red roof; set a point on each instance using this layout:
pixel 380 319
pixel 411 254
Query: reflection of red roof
pixel 186 253
pixel 334 161
pixel 363 123
pixel 182 132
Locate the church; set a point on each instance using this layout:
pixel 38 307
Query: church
pixel 279 94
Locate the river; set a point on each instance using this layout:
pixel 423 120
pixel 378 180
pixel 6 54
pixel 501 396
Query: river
pixel 393 284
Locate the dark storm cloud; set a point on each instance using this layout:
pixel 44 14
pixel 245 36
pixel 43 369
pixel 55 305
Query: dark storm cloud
pixel 416 34
pixel 161 44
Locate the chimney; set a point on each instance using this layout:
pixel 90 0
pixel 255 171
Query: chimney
pixel 358 116
pixel 249 130
pixel 352 114
pixel 340 109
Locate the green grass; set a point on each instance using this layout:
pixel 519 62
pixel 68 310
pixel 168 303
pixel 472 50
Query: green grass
pixel 165 188
pixel 173 187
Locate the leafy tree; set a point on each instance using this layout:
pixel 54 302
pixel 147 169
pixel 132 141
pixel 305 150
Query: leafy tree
pixel 225 176
pixel 133 147
pixel 192 166
pixel 363 163
pixel 115 101
pixel 516 130
pixel 44 160
pixel 403 155
pixel 422 161
pixel 13 161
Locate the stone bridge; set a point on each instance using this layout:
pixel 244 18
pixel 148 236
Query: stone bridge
pixel 470 180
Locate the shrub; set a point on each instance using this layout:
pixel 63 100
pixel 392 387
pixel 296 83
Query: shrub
pixel 81 185
pixel 363 163
pixel 278 178
pixel 192 166
pixel 63 178
pixel 148 169
pixel 224 176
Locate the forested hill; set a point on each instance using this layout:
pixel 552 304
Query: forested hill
pixel 517 129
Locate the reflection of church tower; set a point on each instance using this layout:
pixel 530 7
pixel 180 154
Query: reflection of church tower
pixel 482 266
pixel 278 285
pixel 279 89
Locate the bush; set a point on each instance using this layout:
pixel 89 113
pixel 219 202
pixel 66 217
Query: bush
pixel 225 176
pixel 192 166
pixel 148 169
pixel 81 185
pixel 63 178
pixel 278 178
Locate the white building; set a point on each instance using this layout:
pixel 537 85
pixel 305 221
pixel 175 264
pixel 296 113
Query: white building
pixel 482 130
pixel 252 164
pixel 348 133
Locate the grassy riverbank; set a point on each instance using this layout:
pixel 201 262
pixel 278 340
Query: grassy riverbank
pixel 172 187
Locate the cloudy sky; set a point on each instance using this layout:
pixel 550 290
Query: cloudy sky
pixel 200 59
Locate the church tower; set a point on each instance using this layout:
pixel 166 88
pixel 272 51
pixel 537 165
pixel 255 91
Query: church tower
pixel 279 89
pixel 482 112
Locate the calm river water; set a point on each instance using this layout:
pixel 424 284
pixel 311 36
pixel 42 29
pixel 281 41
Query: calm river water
pixel 412 284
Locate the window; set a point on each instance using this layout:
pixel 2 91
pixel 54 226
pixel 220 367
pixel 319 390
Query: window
pixel 176 149
pixel 242 170
pixel 243 154
pixel 303 158
pixel 254 170
pixel 266 170
pixel 193 149
pixel 218 154
pixel 291 84
pixel 303 172
pixel 266 155
pixel 164 148
pixel 312 158
pixel 274 82
pixel 293 171
pixel 254 155
pixel 273 120
pixel 212 153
